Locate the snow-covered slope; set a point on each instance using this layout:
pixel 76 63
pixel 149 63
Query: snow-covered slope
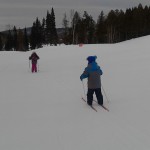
pixel 44 110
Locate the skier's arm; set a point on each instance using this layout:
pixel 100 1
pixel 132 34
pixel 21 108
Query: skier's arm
pixel 37 57
pixel 100 71
pixel 84 75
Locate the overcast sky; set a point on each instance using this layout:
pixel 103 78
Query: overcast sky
pixel 23 13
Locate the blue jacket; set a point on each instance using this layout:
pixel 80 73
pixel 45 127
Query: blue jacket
pixel 93 73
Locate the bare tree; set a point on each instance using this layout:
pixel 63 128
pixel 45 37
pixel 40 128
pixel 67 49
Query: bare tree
pixel 74 21
pixel 9 27
pixel 65 23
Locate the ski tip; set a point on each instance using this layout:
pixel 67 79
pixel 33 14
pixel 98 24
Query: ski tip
pixel 105 108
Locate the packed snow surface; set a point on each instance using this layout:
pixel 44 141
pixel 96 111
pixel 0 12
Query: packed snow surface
pixel 44 110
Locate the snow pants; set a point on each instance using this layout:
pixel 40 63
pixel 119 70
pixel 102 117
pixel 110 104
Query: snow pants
pixel 34 68
pixel 98 94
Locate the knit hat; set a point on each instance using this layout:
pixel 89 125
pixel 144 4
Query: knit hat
pixel 90 59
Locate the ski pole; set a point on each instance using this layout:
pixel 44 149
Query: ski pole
pixel 83 89
pixel 29 64
pixel 105 94
pixel 38 65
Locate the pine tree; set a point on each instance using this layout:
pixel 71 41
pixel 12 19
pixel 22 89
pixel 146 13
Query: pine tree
pixel 127 27
pixel 15 39
pixel 25 41
pixel 54 36
pixel 20 40
pixel 81 28
pixel 90 27
pixel 101 28
pixel 43 30
pixel 9 42
pixel 1 44
pixel 111 26
pixel 48 28
pixel 51 32
pixel 38 33
pixel 33 37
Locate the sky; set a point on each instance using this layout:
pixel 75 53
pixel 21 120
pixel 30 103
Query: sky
pixel 23 13
pixel 44 110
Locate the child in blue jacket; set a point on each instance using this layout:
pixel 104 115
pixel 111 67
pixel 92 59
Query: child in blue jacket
pixel 93 73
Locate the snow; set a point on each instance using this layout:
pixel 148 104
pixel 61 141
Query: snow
pixel 44 110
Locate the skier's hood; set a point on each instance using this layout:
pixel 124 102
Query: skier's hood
pixel 93 66
pixel 91 59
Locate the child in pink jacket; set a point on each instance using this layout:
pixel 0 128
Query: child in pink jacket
pixel 34 57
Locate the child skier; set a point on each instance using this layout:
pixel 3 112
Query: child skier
pixel 93 73
pixel 34 57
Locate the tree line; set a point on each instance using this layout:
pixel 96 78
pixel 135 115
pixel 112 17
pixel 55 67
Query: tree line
pixel 41 33
pixel 116 26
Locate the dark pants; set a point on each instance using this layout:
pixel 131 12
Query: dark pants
pixel 98 94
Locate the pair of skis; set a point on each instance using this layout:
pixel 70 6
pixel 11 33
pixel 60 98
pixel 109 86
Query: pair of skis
pixel 98 105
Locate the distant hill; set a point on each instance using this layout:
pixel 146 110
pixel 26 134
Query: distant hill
pixel 59 31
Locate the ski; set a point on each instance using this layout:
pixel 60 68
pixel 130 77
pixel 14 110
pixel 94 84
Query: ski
pixel 89 105
pixel 93 108
pixel 102 106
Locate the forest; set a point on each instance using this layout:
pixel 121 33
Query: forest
pixel 114 27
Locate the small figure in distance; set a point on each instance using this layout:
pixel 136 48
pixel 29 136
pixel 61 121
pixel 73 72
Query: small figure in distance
pixel 34 58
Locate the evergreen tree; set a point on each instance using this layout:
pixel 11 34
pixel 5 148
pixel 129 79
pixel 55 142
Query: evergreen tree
pixel 127 27
pixel 115 27
pixel 15 39
pixel 82 31
pixel 33 37
pixel 48 28
pixel 51 32
pixel 38 29
pixel 36 35
pixel 111 26
pixel 1 43
pixel 25 41
pixel 101 28
pixel 120 27
pixel 43 31
pixel 54 36
pixel 90 28
pixel 9 42
pixel 141 24
pixel 78 29
pixel 146 21
pixel 20 40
